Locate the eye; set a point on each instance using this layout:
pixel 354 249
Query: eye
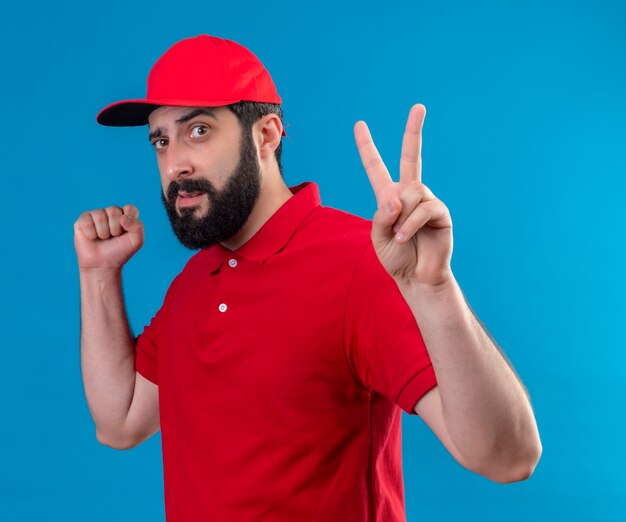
pixel 197 131
pixel 159 143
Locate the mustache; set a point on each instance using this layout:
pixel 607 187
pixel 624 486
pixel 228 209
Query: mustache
pixel 190 185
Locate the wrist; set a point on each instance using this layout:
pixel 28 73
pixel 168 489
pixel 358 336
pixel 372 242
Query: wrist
pixel 100 274
pixel 445 286
pixel 437 306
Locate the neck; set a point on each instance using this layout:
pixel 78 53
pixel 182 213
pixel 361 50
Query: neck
pixel 271 198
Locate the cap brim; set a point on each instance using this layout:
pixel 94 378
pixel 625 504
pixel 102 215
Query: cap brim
pixel 132 113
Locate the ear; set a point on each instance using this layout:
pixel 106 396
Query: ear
pixel 269 130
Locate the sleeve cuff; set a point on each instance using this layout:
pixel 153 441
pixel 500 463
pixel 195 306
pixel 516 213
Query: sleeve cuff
pixel 416 388
pixel 145 366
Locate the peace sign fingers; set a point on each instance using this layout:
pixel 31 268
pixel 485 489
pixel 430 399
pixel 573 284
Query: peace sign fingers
pixel 411 156
pixel 372 162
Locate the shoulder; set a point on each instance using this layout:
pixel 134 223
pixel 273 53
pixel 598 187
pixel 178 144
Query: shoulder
pixel 191 265
pixel 348 238
pixel 192 270
pixel 333 237
pixel 332 225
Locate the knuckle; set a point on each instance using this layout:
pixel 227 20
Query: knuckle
pixel 113 211
pixel 84 218
pixel 99 216
pixel 435 205
pixel 409 157
pixel 417 186
pixel 379 215
pixel 372 163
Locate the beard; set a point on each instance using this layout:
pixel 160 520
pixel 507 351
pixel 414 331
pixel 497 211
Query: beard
pixel 229 208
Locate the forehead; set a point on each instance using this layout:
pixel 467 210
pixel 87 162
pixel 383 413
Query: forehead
pixel 167 116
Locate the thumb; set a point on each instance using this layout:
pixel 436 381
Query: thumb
pixel 383 221
pixel 134 228
pixel 130 210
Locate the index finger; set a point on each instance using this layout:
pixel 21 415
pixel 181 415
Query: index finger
pixel 411 156
pixel 372 162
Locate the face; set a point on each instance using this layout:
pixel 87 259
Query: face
pixel 209 169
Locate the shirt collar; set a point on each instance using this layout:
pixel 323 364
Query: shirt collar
pixel 275 232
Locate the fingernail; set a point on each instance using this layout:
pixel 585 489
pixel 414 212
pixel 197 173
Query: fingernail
pixel 400 236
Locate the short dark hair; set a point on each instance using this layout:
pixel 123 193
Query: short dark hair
pixel 249 112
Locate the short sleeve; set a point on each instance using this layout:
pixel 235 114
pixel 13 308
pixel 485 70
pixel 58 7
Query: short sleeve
pixel 147 343
pixel 383 343
pixel 146 348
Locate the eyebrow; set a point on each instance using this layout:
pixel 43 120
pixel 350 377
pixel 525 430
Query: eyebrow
pixel 197 112
pixel 155 134
pixel 189 116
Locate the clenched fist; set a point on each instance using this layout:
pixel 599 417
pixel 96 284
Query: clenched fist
pixel 106 238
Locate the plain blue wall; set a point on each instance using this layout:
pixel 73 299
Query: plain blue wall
pixel 524 140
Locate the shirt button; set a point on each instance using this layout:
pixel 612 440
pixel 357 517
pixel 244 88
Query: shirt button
pixel 232 263
pixel 222 307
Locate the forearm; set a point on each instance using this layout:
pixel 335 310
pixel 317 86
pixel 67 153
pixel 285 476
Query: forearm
pixel 107 353
pixel 485 407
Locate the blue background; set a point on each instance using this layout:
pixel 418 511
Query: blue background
pixel 524 141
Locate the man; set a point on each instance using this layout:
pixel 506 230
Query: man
pixel 279 361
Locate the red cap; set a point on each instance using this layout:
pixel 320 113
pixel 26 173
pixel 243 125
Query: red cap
pixel 204 71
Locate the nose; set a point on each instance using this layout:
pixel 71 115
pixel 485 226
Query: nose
pixel 176 162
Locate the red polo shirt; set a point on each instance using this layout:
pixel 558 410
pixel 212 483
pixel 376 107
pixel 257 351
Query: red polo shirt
pixel 281 367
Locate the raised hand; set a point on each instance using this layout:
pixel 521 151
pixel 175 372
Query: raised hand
pixel 107 238
pixel 412 229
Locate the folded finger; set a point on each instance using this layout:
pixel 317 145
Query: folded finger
pixel 432 212
pixel 85 225
pixel 410 197
pixel 101 220
pixel 114 214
